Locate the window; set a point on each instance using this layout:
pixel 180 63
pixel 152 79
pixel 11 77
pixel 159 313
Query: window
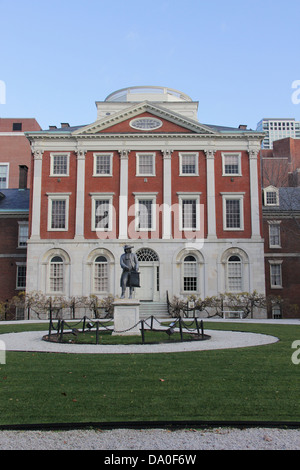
pixel 145 164
pixel 101 274
pixel 58 212
pixel 103 164
pixel 276 274
pixel 188 164
pixel 189 216
pixel 102 212
pixel 56 274
pixel 17 126
pixel 4 175
pixel 274 235
pixel 21 276
pixel 271 196
pixel 145 212
pixel 234 274
pixel 190 274
pixel 59 164
pixel 233 218
pixel 23 234
pixel 146 123
pixel 231 164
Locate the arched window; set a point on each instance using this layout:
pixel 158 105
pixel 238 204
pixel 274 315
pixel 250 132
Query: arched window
pixel 56 274
pixel 190 283
pixel 101 274
pixel 147 255
pixel 234 274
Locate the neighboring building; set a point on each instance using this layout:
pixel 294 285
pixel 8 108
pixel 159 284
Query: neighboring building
pixel 281 165
pixel 15 150
pixel 276 129
pixel 14 212
pixel 185 195
pixel 281 221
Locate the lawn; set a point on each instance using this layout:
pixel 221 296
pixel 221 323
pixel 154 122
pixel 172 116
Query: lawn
pixel 248 384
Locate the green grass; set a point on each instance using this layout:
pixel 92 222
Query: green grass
pixel 252 384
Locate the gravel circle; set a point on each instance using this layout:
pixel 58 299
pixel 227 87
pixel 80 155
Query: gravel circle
pixel 153 439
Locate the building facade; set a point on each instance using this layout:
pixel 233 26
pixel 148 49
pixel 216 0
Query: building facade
pixel 15 151
pixel 281 221
pixel 185 195
pixel 277 129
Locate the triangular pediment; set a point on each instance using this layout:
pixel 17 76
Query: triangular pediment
pixel 123 122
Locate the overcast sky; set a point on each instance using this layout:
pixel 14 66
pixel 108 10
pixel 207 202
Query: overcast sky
pixel 237 58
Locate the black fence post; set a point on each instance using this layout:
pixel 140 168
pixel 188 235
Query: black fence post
pixel 83 326
pixel 97 333
pixel 61 331
pixel 202 329
pixel 143 331
pixel 197 326
pixel 180 328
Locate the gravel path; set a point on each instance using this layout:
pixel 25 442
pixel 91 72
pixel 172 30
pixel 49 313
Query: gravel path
pixel 153 439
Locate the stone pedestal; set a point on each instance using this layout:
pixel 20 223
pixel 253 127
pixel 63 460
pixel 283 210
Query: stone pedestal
pixel 126 316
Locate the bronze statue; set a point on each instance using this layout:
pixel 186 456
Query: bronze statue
pixel 129 263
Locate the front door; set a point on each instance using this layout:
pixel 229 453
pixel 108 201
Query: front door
pixel 146 291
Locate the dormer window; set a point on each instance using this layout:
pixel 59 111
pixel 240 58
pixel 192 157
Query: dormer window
pixel 271 196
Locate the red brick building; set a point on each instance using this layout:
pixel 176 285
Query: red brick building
pixel 186 195
pixel 281 219
pixel 14 149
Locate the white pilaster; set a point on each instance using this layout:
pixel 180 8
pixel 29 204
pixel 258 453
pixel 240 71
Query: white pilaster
pixel 123 201
pixel 79 223
pixel 211 197
pixel 167 194
pixel 36 196
pixel 255 219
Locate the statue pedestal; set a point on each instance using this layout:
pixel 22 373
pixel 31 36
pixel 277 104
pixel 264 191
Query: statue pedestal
pixel 126 317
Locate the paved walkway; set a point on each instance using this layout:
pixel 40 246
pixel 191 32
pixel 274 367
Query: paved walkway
pixel 32 341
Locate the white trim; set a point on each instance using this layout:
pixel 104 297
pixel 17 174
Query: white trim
pixel 58 197
pixel 232 197
pixel 271 189
pixel 102 197
pixel 196 157
pixel 158 123
pixel 272 224
pixel 276 263
pixel 138 154
pixel 145 197
pixel 189 196
pixel 7 174
pixel 99 154
pixel 22 223
pixel 58 154
pixel 236 154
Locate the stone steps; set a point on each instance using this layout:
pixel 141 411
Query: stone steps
pixel 156 309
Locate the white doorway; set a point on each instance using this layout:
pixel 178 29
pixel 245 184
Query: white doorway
pixel 149 275
pixel 146 291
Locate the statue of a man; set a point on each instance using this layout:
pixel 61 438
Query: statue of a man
pixel 128 262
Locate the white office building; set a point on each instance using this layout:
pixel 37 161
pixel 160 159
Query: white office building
pixel 278 128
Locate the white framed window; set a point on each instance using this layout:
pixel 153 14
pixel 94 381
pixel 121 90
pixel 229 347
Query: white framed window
pixel 276 274
pixel 274 235
pixel 56 274
pixel 145 212
pixel 58 211
pixel 23 234
pixel 189 211
pixel 102 212
pixel 231 164
pixel 234 274
pixel 59 164
pixel 190 274
pixel 21 276
pixel 188 164
pixel 101 273
pixel 271 196
pixel 233 211
pixel 145 164
pixel 103 164
pixel 4 174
